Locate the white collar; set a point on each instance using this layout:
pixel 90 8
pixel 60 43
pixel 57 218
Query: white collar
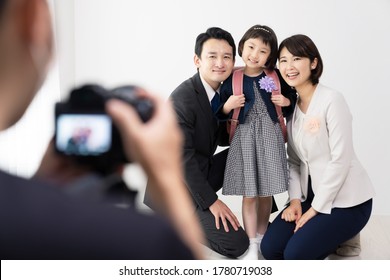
pixel 209 90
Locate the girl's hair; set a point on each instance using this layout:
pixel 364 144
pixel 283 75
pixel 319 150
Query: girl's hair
pixel 302 46
pixel 268 36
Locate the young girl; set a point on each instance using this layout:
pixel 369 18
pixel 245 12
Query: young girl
pixel 256 167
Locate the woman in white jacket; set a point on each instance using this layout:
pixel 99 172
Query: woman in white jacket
pixel 330 193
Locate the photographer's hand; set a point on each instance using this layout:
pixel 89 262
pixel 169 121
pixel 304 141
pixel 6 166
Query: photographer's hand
pixel 157 146
pixel 59 169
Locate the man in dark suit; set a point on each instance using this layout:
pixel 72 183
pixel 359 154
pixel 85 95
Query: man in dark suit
pixel 38 221
pixel 193 101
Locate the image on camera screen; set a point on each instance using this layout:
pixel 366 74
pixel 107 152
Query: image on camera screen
pixel 83 134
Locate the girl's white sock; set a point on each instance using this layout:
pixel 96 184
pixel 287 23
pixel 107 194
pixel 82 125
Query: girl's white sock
pixel 259 237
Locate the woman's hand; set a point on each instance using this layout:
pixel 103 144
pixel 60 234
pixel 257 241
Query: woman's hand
pixel 293 212
pixel 305 218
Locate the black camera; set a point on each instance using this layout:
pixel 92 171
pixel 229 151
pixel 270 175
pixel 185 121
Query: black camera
pixel 86 133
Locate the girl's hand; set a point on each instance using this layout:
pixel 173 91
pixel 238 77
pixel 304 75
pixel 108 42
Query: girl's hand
pixel 305 218
pixel 234 101
pixel 280 100
pixel 293 212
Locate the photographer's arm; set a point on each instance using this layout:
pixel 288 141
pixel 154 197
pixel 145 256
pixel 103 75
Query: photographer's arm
pixel 156 145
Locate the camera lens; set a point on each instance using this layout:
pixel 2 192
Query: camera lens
pixel 144 107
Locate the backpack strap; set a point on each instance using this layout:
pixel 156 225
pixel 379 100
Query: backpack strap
pixel 237 85
pixel 238 78
pixel 275 77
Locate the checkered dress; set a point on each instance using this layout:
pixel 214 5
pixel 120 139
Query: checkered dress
pixel 256 163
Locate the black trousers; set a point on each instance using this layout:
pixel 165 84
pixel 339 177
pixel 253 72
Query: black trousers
pixel 231 244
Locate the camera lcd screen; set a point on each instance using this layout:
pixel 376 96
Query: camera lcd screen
pixel 83 134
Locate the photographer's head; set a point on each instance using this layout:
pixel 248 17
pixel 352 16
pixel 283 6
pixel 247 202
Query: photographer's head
pixel 26 45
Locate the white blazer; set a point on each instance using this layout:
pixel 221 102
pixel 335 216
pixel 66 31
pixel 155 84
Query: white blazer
pixel 325 151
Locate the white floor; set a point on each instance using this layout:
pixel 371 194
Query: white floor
pixel 375 242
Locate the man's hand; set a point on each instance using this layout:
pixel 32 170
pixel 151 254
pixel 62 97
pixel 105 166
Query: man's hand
pixel 221 211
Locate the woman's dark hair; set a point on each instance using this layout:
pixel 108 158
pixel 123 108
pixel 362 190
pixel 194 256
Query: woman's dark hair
pixel 269 38
pixel 214 33
pixel 302 46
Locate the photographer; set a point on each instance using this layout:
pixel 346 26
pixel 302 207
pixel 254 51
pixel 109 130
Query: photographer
pixel 38 221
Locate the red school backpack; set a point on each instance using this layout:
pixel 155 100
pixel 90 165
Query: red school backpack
pixel 238 77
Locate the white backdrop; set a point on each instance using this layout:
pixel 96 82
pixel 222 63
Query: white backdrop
pixel 151 43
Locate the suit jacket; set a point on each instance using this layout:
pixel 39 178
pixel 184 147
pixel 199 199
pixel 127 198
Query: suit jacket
pixel 40 222
pixel 202 133
pixel 325 152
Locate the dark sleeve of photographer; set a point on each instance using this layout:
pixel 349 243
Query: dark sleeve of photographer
pixel 156 146
pixel 38 220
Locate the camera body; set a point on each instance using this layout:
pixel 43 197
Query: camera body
pixel 83 130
